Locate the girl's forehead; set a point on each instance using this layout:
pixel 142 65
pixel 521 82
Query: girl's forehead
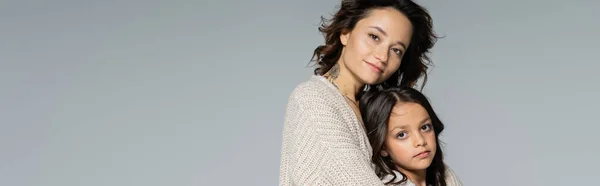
pixel 404 109
pixel 408 114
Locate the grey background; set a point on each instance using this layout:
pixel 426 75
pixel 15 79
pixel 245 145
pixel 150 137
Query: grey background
pixel 193 92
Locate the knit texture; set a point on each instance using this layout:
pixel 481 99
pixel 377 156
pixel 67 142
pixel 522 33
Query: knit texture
pixel 451 179
pixel 323 141
pixel 398 178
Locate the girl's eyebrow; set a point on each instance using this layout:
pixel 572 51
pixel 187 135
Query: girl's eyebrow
pixel 399 127
pixel 425 119
pixel 404 125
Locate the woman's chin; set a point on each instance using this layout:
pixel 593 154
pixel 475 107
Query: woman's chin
pixel 371 80
pixel 366 78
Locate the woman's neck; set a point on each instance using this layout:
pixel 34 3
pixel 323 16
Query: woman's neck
pixel 345 81
pixel 418 177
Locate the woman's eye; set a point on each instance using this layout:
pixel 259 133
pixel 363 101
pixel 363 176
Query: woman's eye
pixel 401 135
pixel 374 37
pixel 426 127
pixel 397 51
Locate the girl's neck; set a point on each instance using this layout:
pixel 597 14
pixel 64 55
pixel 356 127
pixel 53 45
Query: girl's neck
pixel 418 177
pixel 345 81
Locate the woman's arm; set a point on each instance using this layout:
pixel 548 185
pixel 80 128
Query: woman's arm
pixel 451 178
pixel 322 149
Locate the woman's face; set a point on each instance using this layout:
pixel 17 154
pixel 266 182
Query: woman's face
pixel 410 140
pixel 373 50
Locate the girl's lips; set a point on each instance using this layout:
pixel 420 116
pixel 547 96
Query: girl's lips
pixel 423 154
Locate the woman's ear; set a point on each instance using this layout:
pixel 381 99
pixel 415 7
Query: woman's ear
pixel 344 37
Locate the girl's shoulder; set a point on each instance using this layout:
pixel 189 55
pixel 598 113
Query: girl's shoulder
pixel 398 177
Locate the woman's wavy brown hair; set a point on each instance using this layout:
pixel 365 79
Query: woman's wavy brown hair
pixel 415 61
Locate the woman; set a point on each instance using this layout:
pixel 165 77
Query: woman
pixel 368 44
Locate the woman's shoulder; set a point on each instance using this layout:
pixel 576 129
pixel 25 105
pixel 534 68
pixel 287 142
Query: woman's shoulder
pixel 451 178
pixel 314 89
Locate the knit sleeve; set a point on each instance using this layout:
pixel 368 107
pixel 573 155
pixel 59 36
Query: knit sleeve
pixel 451 178
pixel 325 150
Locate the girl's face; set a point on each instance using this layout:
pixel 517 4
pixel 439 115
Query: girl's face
pixel 374 48
pixel 410 139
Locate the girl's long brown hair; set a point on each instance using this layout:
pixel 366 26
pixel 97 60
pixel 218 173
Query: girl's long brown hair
pixel 376 107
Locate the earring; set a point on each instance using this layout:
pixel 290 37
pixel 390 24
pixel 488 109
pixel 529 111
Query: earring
pixel 384 153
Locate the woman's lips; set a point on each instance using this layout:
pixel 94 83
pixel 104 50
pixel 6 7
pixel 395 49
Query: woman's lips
pixel 375 67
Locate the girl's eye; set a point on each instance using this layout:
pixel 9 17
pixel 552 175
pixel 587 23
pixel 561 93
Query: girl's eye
pixel 374 37
pixel 426 127
pixel 401 135
pixel 397 51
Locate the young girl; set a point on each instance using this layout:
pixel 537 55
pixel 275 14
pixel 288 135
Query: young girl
pixel 403 131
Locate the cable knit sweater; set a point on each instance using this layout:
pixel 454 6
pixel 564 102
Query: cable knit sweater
pixel 323 141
